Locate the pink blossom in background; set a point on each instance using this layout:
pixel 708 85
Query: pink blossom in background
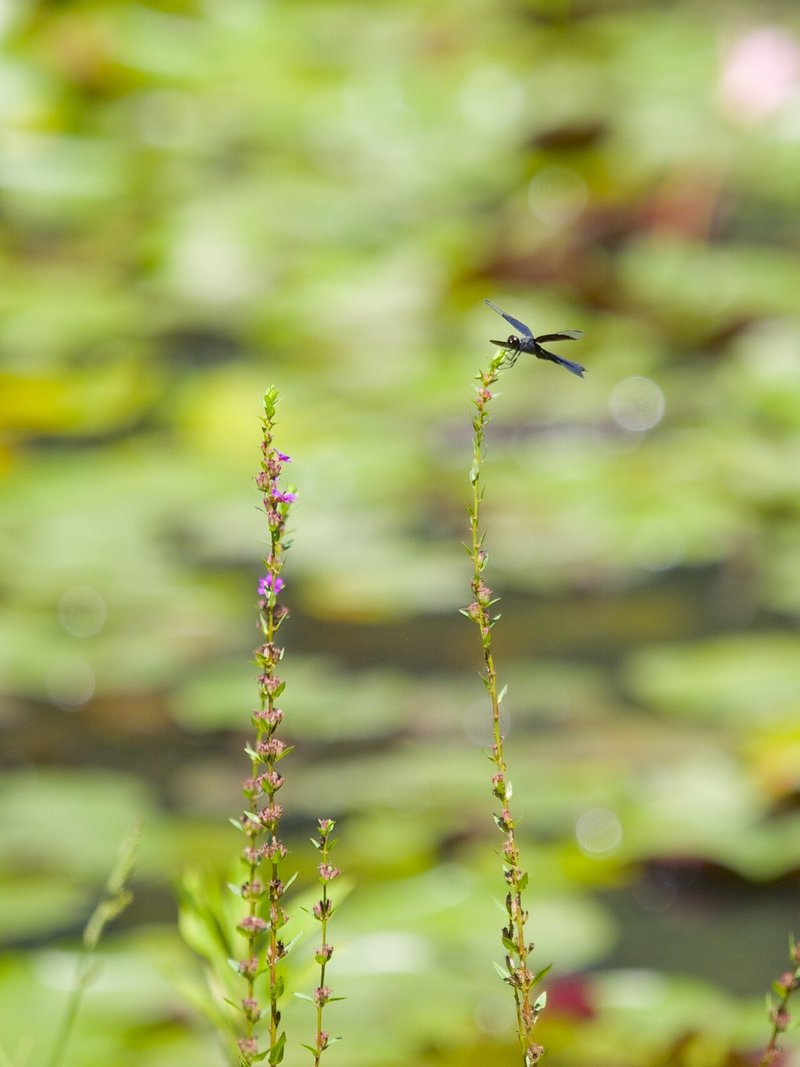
pixel 760 72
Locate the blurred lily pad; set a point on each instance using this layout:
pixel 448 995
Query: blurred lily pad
pixel 68 824
pixel 737 681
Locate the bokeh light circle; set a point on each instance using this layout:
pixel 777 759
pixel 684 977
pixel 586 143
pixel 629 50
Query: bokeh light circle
pixel 598 832
pixel 637 404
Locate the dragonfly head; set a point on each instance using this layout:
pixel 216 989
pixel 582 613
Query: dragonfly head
pixel 511 341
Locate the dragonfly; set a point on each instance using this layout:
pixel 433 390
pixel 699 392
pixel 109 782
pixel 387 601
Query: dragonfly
pixel 524 341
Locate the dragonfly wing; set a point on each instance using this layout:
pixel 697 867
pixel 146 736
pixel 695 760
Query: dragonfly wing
pixel 563 335
pixel 574 368
pixel 523 329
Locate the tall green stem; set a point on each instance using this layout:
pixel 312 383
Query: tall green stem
pixel 515 972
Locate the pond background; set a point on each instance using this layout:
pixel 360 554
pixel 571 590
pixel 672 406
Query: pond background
pixel 203 199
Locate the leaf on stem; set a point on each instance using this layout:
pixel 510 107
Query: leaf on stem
pixel 277 1050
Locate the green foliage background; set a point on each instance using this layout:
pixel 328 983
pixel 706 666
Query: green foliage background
pixel 202 198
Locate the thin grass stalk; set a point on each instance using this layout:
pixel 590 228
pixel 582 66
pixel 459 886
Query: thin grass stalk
pixel 115 899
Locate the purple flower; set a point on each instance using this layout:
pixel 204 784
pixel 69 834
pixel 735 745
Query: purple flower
pixel 253 924
pixel 283 457
pixel 327 873
pixel 283 498
pixel 270 583
pixel 248 1046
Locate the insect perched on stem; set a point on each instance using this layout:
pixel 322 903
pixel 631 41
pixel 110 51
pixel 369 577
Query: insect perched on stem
pixel 524 341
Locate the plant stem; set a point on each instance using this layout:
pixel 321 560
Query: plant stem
pixel 323 910
pixel 779 1017
pixel 262 817
pixel 516 972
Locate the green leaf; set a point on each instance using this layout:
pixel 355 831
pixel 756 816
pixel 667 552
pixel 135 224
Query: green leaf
pixel 277 1050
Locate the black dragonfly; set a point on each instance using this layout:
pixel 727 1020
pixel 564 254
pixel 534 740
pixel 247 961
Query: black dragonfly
pixel 524 341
